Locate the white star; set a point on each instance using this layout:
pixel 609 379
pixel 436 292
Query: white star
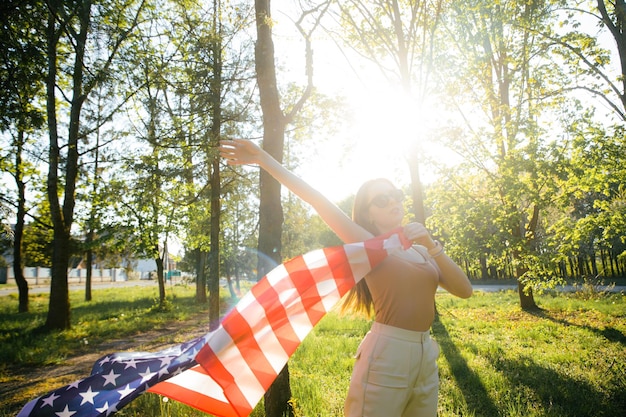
pixel 87 396
pixel 163 371
pixel 66 412
pixel 50 399
pixel 74 384
pixel 105 360
pixel 112 409
pixel 131 364
pixel 104 408
pixel 166 361
pixel 123 393
pixel 146 375
pixel 110 378
pixel 186 356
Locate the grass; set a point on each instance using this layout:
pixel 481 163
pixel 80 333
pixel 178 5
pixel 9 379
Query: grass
pixel 568 359
pixel 114 313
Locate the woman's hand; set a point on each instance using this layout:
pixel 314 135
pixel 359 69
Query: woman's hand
pixel 451 278
pixel 417 233
pixel 240 152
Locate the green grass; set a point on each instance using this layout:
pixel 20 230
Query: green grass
pixel 113 313
pixel 568 359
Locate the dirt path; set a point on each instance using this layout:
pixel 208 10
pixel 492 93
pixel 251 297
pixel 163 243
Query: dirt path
pixel 18 385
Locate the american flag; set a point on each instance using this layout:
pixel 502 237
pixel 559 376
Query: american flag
pixel 227 371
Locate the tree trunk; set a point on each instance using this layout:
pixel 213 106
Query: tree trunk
pixel 417 191
pixel 526 298
pixel 271 213
pixel 63 216
pixel 89 265
pixel 214 256
pixel 59 306
pixel 484 270
pixel 278 395
pixel 59 309
pixel 216 127
pixel 18 272
pixel 160 276
pixel 200 257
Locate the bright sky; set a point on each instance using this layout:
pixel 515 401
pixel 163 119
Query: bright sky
pixel 386 124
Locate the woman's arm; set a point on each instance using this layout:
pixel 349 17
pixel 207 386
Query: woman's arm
pixel 453 279
pixel 244 152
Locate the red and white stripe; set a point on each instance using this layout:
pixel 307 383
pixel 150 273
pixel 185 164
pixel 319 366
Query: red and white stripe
pixel 244 355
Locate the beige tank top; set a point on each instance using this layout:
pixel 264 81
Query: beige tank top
pixel 403 289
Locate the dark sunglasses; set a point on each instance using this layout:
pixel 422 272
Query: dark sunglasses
pixel 382 200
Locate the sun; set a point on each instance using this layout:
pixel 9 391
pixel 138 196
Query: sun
pixel 386 128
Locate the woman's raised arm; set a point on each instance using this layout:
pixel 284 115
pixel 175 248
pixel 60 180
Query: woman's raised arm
pixel 245 152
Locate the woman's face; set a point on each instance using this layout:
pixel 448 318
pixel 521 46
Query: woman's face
pixel 384 206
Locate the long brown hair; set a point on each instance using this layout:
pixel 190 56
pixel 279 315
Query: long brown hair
pixel 359 298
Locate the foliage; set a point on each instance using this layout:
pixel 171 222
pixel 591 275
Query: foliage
pixel 507 210
pixel 534 98
pixel 37 245
pixel 6 234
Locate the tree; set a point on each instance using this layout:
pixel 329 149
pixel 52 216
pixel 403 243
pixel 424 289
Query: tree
pixel 614 18
pixel 96 198
pixel 592 221
pixel 22 51
pixel 154 165
pixel 274 123
pixel 72 27
pixel 400 39
pixel 502 63
pixel 577 41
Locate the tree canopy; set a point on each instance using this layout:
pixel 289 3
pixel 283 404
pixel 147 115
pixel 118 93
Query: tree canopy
pixel 113 112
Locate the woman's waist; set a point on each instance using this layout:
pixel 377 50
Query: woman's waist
pixel 400 333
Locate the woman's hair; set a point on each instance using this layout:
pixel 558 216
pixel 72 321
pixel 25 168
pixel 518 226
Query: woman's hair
pixel 359 298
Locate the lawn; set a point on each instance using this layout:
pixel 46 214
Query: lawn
pixel 569 359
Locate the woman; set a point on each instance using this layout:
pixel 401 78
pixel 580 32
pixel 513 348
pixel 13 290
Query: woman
pixel 395 373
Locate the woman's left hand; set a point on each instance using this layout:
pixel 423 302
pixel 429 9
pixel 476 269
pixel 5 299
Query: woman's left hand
pixel 417 233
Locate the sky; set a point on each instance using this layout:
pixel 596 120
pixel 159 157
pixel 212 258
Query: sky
pixel 376 144
pixel 386 126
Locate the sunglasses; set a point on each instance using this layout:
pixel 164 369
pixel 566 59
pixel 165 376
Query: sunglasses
pixel 382 200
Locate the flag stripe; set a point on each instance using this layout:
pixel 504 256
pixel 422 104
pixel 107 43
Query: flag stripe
pixel 196 389
pixel 309 299
pixel 226 372
pixel 251 352
pixel 293 298
pixel 275 313
pixel 216 369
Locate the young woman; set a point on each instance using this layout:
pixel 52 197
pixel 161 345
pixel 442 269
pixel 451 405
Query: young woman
pixel 395 373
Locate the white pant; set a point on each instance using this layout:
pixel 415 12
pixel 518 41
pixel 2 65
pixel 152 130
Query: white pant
pixel 395 375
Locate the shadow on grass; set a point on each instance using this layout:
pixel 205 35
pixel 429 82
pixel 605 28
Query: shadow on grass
pixel 474 391
pixel 558 393
pixel 609 333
